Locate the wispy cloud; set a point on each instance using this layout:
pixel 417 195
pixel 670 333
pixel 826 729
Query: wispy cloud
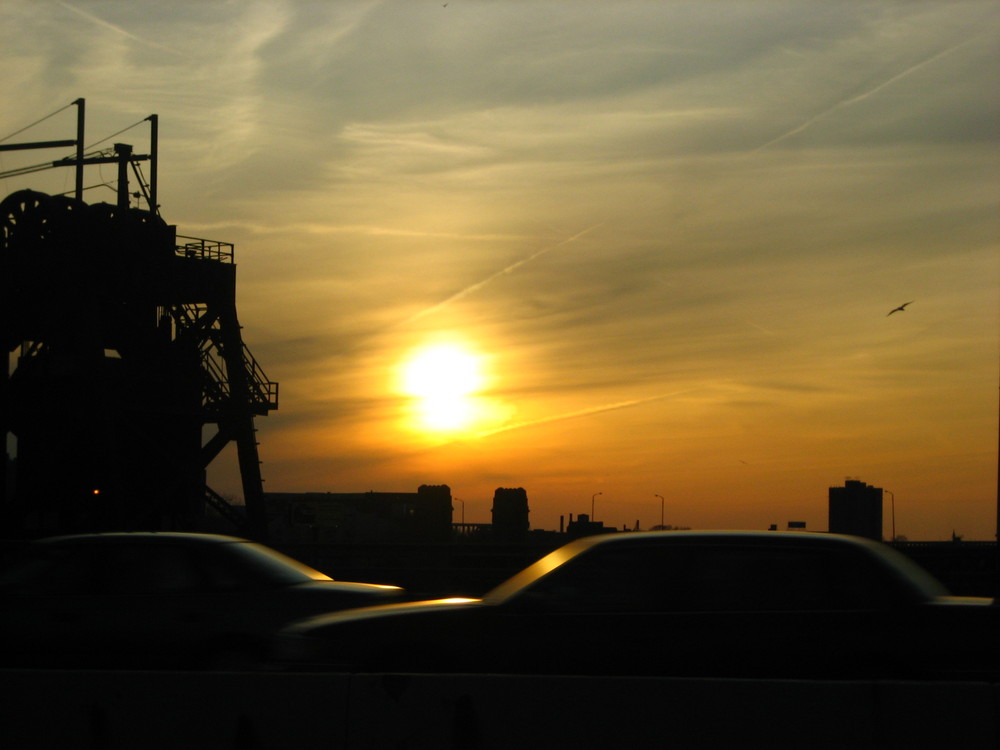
pixel 848 101
pixel 472 288
pixel 379 164
pixel 118 29
pixel 317 228
pixel 579 413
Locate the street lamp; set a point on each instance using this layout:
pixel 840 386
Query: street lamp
pixel 592 505
pixel 661 509
pixel 463 507
pixel 892 506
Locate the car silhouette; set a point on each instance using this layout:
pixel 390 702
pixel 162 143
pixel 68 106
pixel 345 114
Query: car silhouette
pixel 686 603
pixel 158 599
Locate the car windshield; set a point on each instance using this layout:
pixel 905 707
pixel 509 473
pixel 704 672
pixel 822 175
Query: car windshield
pixel 273 566
pixel 519 582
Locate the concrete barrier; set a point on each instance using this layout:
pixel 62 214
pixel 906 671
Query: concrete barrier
pixel 219 711
pixel 94 710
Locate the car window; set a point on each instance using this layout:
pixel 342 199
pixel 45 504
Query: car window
pixel 149 569
pixel 50 570
pixel 681 577
pixel 262 565
pixel 225 569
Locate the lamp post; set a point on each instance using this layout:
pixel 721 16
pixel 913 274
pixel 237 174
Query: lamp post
pixel 661 510
pixel 592 505
pixel 892 511
pixel 463 507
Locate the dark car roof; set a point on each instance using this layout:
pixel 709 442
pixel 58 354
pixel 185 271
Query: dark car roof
pixel 724 535
pixel 275 564
pixel 145 536
pixel 914 576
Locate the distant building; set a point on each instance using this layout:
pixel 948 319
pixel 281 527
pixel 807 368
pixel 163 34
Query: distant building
pixel 510 514
pixel 856 508
pixel 423 516
pixel 583 526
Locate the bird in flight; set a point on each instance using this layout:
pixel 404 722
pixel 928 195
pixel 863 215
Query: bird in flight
pixel 901 308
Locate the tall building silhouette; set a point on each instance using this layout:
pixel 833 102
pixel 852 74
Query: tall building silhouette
pixel 856 508
pixel 510 514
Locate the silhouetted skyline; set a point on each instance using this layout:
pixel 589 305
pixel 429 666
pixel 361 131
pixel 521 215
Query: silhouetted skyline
pixel 657 241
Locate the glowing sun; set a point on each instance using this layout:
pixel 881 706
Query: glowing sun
pixel 443 378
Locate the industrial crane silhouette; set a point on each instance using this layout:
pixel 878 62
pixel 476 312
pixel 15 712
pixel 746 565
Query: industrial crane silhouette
pixel 129 353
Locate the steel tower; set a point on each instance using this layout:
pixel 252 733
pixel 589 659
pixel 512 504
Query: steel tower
pixel 130 374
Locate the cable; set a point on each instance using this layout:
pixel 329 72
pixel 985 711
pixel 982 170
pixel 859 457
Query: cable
pixel 32 168
pixel 108 185
pixel 26 170
pixel 108 138
pixel 36 122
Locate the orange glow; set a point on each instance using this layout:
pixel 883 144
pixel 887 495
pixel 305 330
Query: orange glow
pixel 442 379
pixel 628 283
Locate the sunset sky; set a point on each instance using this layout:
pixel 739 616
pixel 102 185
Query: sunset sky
pixel 657 241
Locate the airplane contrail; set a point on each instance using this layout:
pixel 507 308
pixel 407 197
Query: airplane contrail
pixel 124 32
pixel 862 96
pixel 580 413
pixel 512 267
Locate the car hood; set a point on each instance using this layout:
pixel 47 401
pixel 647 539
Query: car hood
pixel 962 601
pixel 312 625
pixel 350 587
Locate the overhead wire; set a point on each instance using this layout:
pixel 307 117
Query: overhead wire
pixel 26 170
pixel 53 114
pixel 36 167
pixel 33 168
pixel 107 152
pixel 108 185
pixel 108 138
pixel 36 122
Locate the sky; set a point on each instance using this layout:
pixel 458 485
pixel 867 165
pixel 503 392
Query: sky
pixel 658 241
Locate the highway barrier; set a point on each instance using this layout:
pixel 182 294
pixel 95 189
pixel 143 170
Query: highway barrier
pixel 97 710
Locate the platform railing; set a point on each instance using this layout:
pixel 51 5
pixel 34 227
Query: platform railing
pixel 201 249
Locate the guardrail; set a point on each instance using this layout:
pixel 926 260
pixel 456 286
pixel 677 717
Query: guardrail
pixel 196 247
pixel 216 711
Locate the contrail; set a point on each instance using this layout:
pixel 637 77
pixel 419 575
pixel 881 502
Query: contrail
pixel 860 97
pixel 124 32
pixel 512 267
pixel 580 413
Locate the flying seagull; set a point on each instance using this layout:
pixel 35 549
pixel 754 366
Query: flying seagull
pixel 901 308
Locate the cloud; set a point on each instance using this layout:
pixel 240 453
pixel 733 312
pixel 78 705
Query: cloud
pixel 472 288
pixel 851 100
pixel 577 414
pixel 93 18
pixel 395 171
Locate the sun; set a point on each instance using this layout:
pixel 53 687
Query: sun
pixel 443 378
pixel 442 371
